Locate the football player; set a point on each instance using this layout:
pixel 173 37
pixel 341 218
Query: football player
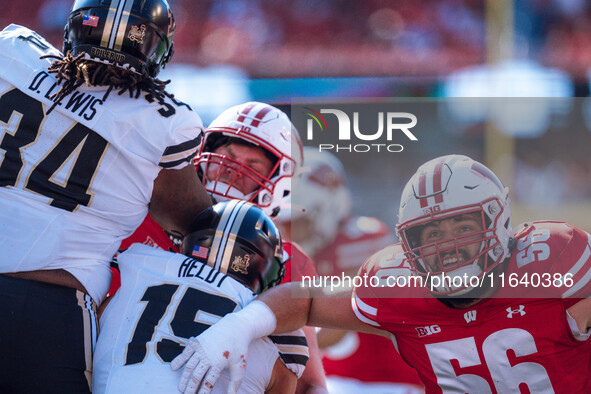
pixel 339 242
pixel 232 252
pixel 252 152
pixel 477 331
pixel 90 142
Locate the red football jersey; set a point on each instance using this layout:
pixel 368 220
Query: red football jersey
pixel 297 264
pixel 149 233
pixel 500 345
pixel 369 358
pixel 365 357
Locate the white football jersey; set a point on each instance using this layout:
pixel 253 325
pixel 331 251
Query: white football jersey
pixel 76 182
pixel 164 299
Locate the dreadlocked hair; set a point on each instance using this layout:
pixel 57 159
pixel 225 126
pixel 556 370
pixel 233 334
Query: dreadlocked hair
pixel 73 71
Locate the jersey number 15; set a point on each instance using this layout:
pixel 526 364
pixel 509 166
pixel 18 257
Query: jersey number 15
pixel 183 324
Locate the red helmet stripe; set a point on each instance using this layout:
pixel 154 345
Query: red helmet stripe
pixel 245 112
pixel 437 175
pixel 423 189
pixel 258 117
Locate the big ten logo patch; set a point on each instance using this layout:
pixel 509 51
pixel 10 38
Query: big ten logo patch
pixel 428 330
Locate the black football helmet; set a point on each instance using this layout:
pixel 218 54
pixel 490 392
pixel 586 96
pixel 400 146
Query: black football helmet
pixel 237 238
pixel 134 34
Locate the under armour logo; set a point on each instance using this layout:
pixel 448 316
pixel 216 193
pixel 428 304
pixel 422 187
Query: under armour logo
pixel 511 312
pixel 470 316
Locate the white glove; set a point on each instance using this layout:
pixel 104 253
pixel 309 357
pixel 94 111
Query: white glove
pixel 221 346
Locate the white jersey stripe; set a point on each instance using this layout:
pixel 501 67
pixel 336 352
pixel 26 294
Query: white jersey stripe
pixel 579 285
pixel 370 310
pixel 582 259
pixel 359 315
pixel 577 267
pixel 394 341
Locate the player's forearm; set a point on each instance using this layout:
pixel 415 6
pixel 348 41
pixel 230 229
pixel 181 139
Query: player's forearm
pixel 177 198
pixel 295 306
pixel 291 310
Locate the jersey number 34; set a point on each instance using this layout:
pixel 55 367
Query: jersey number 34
pixel 21 120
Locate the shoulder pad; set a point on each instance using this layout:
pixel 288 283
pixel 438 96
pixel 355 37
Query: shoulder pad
pixel 555 248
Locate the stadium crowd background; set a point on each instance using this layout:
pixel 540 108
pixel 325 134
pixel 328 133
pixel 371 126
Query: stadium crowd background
pixel 304 38
pixel 231 51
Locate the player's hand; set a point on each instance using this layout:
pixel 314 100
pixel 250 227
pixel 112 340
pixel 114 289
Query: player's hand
pixel 206 356
pixel 221 346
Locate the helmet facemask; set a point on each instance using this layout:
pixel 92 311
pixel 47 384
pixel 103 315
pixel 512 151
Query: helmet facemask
pixel 221 174
pixel 467 255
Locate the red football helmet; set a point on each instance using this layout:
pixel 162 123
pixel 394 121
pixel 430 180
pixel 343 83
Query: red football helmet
pixel 455 186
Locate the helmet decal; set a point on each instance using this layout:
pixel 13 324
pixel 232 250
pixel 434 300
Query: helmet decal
pixel 137 34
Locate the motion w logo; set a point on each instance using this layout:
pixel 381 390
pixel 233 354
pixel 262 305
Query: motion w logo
pixel 470 316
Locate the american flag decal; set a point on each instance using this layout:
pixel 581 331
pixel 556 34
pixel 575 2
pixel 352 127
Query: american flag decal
pixel 90 20
pixel 200 251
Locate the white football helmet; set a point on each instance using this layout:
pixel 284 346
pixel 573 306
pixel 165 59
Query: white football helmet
pixel 261 125
pixel 324 195
pixel 443 188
